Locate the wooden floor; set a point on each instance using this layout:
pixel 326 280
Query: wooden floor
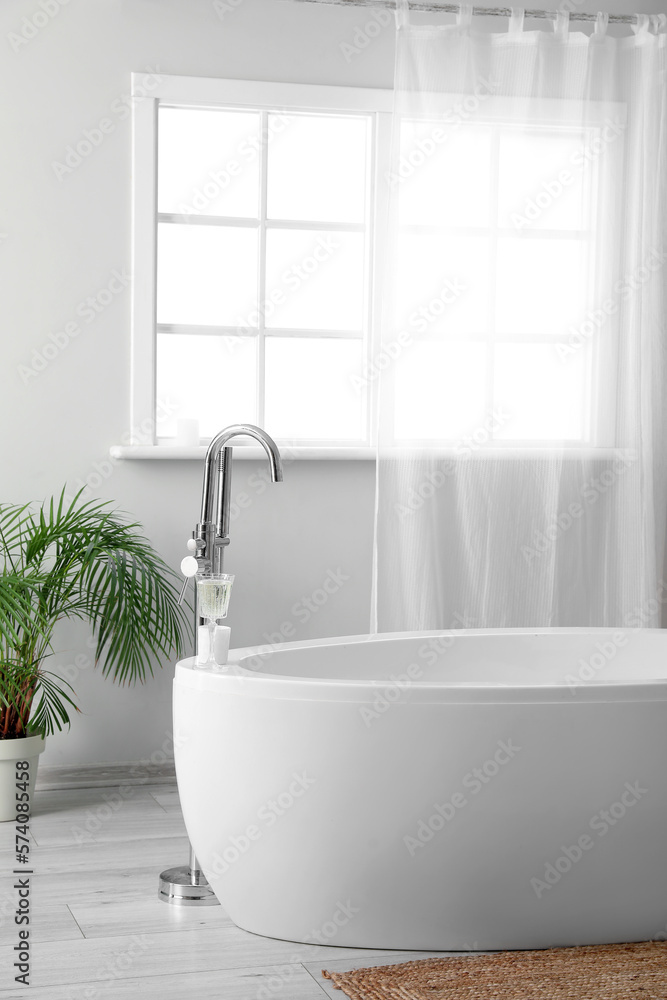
pixel 99 932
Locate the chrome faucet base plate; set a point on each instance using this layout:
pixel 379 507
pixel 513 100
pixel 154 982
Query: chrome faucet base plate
pixel 176 887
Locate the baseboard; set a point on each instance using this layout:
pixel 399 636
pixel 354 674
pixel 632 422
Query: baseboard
pixel 99 775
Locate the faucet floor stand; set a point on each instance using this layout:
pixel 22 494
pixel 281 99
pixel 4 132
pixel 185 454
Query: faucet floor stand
pixel 177 886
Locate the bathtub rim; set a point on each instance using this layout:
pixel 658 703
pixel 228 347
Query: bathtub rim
pixel 234 678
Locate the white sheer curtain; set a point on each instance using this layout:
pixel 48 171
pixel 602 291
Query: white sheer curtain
pixel 521 464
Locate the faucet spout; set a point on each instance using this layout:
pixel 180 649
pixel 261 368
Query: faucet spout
pixel 213 529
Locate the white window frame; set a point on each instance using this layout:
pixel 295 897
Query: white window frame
pixel 173 91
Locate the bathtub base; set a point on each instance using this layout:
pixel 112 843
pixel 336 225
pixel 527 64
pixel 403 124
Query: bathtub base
pixel 352 922
pixel 406 941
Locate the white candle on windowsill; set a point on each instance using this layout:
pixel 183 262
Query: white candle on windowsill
pixel 187 432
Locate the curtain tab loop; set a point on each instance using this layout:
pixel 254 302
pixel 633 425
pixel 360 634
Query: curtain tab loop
pixel 642 25
pixel 515 26
pixel 401 13
pixel 601 24
pixel 464 16
pixel 562 23
pixel 658 22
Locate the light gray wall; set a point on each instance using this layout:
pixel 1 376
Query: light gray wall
pixel 60 241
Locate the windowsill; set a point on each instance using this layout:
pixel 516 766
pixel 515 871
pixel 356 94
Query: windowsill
pixel 178 453
pixel 350 453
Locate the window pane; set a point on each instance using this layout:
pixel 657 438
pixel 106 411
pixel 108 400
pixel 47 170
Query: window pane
pixel 317 168
pixel 314 280
pixel 541 285
pixel 310 388
pixel 445 175
pixel 210 378
pixel 208 162
pixel 207 275
pixel 439 390
pixel 543 394
pixel 542 179
pixel 442 285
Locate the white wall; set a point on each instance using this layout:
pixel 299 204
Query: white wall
pixel 61 239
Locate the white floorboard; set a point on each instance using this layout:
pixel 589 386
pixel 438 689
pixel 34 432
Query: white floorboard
pixel 281 983
pixel 168 799
pixel 48 923
pixel 175 953
pixel 98 815
pixel 145 854
pixel 8 841
pixel 98 775
pixel 145 914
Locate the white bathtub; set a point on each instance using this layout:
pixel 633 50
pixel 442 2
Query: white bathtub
pixel 467 790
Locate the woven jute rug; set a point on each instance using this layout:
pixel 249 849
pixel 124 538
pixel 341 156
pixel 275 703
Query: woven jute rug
pixel 596 972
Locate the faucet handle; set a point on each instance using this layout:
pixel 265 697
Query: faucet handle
pixel 189 566
pixel 181 596
pixel 191 545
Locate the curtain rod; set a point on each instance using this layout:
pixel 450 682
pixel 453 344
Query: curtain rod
pixel 453 8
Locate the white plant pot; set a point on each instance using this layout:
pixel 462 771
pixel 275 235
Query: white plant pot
pixel 11 751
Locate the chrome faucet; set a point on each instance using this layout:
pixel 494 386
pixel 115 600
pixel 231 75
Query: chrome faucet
pixel 186 885
pixel 211 535
pixel 212 532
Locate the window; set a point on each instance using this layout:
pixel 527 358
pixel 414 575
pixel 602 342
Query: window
pixel 260 218
pixel 262 257
pixel 255 215
pixel 497 235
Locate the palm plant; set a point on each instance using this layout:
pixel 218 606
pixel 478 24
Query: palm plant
pixel 71 560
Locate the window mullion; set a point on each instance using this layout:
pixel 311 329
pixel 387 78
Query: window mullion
pixel 261 271
pixel 144 213
pixel 383 260
pixel 493 271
